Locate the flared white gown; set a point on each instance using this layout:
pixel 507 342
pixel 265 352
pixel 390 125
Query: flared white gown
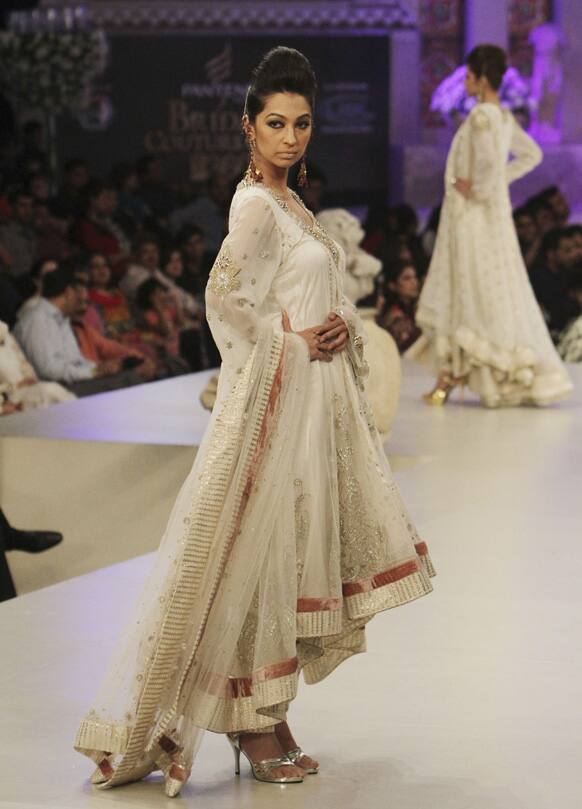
pixel 288 535
pixel 477 310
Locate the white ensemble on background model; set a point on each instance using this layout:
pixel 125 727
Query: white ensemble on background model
pixel 480 319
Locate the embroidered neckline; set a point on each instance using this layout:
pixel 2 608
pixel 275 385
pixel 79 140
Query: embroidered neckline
pixel 315 229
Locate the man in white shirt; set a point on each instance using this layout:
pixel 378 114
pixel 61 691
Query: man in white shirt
pixel 48 341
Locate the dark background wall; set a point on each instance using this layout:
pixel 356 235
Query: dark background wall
pixel 181 96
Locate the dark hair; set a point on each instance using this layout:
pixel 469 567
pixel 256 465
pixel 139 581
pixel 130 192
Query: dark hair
pixel 145 292
pixel 281 70
pixel 489 61
pixel 167 255
pixel 549 192
pixel 185 234
pixel 56 283
pixel 35 270
pixel 145 238
pixel 524 210
pixel 551 240
pixel 405 218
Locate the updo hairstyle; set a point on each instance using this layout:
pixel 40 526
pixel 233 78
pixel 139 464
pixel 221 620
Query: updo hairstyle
pixel 281 70
pixel 489 61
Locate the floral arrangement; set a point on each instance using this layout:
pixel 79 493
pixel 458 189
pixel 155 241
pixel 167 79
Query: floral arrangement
pixel 451 100
pixel 51 70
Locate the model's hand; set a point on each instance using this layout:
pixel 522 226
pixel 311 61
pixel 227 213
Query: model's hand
pixel 312 338
pixel 334 333
pixel 464 187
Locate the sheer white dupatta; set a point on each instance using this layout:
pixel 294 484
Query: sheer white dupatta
pixel 171 669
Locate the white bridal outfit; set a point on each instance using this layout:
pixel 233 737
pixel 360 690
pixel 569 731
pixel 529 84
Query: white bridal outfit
pixel 289 533
pixel 479 317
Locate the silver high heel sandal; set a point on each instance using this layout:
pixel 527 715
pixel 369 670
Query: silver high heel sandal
pixel 295 757
pixel 262 770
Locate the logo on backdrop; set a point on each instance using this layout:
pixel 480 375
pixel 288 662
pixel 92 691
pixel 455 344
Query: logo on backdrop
pixel 205 122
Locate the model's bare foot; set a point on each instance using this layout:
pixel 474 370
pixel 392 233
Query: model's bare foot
pixel 260 746
pixel 288 743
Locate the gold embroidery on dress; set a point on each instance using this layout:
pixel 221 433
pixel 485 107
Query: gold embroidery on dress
pixel 222 278
pixel 302 522
pixel 363 539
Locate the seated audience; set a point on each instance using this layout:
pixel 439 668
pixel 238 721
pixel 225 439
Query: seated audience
pixel 19 241
pixel 557 202
pixel 160 323
pixel 113 315
pixel 570 342
pixel 397 304
pixel 197 261
pixel 132 211
pixel 68 203
pixel 19 384
pixel 46 336
pixel 39 269
pixel 152 189
pixel 208 212
pixel 147 266
pixel 99 349
pixel 528 235
pixel 543 214
pixel 51 233
pixel 96 231
pixel 548 276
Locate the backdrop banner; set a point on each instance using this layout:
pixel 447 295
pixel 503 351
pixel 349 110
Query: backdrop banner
pixel 181 97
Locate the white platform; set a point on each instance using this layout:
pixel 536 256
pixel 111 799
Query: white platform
pixel 467 699
pixel 103 470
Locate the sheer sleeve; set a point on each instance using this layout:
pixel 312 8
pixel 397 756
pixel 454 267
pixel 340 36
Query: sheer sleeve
pixel 240 281
pixel 525 151
pixel 484 158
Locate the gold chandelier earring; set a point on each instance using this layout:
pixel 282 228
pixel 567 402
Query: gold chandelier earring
pixel 302 180
pixel 253 173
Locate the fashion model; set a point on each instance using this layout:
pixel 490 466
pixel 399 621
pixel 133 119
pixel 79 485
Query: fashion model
pixel 289 534
pixel 481 323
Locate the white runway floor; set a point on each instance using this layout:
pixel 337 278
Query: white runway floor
pixel 470 698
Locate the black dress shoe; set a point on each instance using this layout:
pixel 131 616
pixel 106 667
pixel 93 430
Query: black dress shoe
pixel 33 541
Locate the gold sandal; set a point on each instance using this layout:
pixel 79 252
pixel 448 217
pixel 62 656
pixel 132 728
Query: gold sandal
pixel 262 770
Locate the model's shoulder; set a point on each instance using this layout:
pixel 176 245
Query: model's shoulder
pixel 251 193
pixel 485 116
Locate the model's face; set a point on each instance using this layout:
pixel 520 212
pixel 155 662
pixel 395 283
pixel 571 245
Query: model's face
pixel 99 272
pixel 406 287
pixel 283 129
pixel 149 256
